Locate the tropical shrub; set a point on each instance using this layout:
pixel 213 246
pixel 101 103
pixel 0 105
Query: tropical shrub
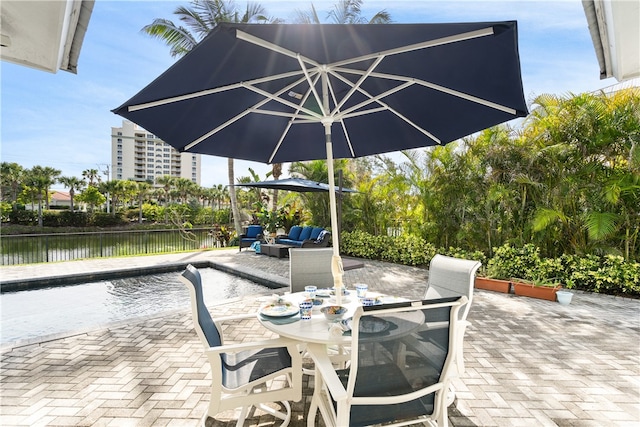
pixel 23 217
pixel 511 262
pixel 5 209
pixel 607 274
pixel 67 218
pixel 222 216
pixel 101 219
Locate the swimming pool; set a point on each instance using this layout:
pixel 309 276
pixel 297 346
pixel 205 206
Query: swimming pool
pixel 42 313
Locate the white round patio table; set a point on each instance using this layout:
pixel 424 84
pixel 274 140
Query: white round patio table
pixel 316 330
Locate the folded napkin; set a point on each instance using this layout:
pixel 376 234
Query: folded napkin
pixel 337 329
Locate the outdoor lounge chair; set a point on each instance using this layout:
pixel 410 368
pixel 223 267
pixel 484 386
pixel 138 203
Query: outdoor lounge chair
pixel 399 370
pixel 453 277
pixel 254 233
pixel 242 375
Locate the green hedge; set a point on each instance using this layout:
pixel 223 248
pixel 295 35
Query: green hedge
pixel 608 274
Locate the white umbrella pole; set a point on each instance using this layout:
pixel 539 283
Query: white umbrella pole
pixel 336 262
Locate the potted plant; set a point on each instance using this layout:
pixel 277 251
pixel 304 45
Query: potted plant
pixel 491 284
pixel 488 280
pixel 507 262
pixel 538 288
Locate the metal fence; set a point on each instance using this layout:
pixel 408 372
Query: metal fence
pixel 36 248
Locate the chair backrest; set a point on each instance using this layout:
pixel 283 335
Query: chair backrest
pixel 253 231
pixel 310 266
pixel 403 359
pixel 202 321
pixel 452 277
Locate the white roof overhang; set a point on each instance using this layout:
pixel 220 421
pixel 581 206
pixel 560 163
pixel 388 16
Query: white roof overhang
pixel 615 30
pixel 46 35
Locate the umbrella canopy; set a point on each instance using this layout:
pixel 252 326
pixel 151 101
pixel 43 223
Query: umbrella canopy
pixel 294 184
pixel 278 93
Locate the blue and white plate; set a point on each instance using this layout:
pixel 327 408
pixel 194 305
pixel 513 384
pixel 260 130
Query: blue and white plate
pixel 279 309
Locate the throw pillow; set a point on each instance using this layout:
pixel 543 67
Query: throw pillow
pixel 306 233
pixel 294 232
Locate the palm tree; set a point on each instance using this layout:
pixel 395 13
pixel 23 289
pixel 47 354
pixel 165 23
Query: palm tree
pixel 200 19
pixel 73 184
pixel 317 203
pixel 344 12
pixel 142 191
pixel 167 182
pixel 119 191
pixel 92 175
pixel 51 175
pixel 184 188
pixel 40 179
pixel 276 172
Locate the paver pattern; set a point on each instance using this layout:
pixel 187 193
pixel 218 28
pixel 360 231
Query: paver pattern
pixel 528 362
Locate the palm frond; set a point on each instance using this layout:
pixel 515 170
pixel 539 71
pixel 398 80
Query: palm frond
pixel 601 225
pixel 544 217
pixel 179 39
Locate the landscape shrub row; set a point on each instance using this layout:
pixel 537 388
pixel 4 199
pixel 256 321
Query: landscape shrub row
pixel 66 218
pixel 607 274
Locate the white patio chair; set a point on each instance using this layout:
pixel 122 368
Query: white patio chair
pixel 399 371
pixel 242 375
pixel 452 277
pixel 310 266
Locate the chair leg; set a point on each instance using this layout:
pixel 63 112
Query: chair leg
pixel 285 417
pixel 243 416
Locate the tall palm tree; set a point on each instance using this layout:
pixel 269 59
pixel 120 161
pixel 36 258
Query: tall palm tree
pixel 73 184
pixel 276 172
pixel 167 182
pixel 142 191
pixel 91 175
pixel 200 18
pixel 184 188
pixel 41 179
pixel 51 175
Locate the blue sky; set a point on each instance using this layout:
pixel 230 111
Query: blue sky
pixel 64 120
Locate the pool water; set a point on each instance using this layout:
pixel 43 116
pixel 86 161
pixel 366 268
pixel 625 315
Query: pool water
pixel 29 315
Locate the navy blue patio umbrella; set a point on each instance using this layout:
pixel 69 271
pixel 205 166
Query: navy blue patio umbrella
pixel 277 93
pixel 295 184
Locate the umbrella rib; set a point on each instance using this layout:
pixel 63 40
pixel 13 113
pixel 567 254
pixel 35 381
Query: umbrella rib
pixel 358 84
pixel 422 45
pixel 294 117
pixel 274 47
pixel 255 108
pixel 276 98
pixel 433 86
pixel 206 92
pixel 386 107
pixel 312 85
pixel 376 98
pixel 342 123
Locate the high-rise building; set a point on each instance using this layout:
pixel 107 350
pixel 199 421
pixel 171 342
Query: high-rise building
pixel 139 155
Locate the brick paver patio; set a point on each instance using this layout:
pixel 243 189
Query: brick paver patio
pixel 529 362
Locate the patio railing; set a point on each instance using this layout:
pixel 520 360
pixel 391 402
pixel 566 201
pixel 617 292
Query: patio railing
pixel 36 248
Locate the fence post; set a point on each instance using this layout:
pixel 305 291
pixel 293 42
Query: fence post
pixel 101 245
pixel 46 248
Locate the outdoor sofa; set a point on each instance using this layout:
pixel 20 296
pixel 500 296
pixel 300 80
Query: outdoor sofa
pixel 305 237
